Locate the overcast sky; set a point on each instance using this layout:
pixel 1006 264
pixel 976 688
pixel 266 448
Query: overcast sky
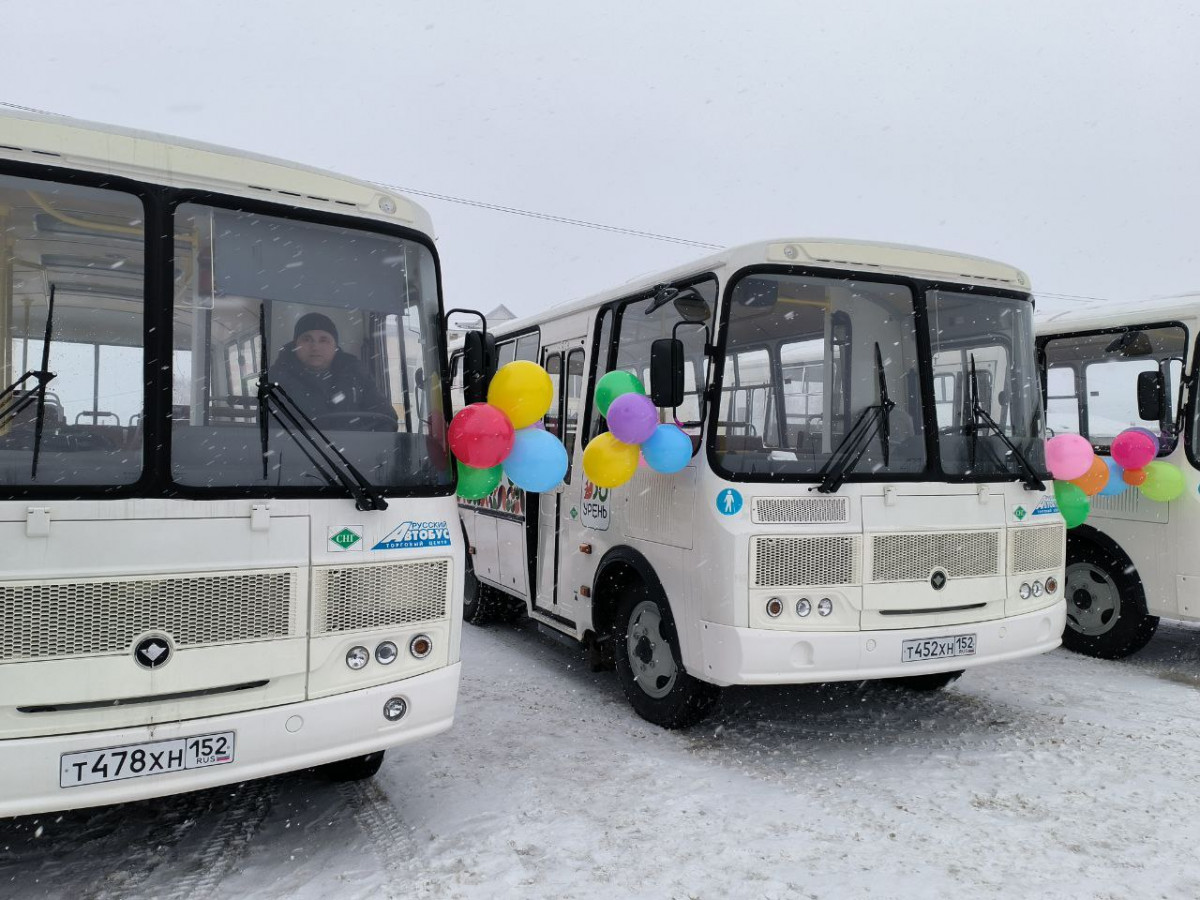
pixel 1061 137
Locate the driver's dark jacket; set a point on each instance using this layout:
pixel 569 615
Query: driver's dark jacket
pixel 344 387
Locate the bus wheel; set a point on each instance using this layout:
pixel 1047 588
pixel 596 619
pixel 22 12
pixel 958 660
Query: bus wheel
pixel 356 768
pixel 1106 605
pixel 932 682
pixel 480 604
pixel 647 662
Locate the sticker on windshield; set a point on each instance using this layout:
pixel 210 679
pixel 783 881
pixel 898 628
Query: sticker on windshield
pixel 729 502
pixel 414 535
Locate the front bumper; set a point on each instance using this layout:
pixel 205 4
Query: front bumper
pixel 268 742
pixel 760 656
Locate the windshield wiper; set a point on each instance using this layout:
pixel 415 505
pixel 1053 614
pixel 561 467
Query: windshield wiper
pixel 978 414
pixel 312 441
pixel 874 419
pixel 15 406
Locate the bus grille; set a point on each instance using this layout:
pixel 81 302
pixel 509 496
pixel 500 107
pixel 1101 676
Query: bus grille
pixel 48 619
pixel 351 598
pixel 1036 549
pixel 801 510
pixel 911 557
pixel 804 561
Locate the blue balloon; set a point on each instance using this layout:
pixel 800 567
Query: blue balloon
pixel 537 462
pixel 1116 484
pixel 668 450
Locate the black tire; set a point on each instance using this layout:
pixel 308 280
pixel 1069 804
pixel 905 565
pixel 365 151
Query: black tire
pixel 934 681
pixel 357 768
pixel 480 603
pixel 649 668
pixel 1106 603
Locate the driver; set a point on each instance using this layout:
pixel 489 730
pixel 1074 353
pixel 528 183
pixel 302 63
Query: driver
pixel 323 379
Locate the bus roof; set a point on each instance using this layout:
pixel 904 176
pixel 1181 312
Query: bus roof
pixel 828 253
pixel 44 139
pixel 1113 315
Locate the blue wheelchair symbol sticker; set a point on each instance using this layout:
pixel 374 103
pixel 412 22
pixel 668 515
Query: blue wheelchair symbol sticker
pixel 729 502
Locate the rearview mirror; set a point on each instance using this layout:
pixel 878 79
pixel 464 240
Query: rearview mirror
pixel 666 372
pixel 479 365
pixel 1151 395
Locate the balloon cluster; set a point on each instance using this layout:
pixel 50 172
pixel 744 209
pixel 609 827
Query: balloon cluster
pixel 611 459
pixel 505 437
pixel 1079 473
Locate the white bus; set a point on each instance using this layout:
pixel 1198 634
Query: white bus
pixel 1106 370
pixel 865 499
pixel 219 559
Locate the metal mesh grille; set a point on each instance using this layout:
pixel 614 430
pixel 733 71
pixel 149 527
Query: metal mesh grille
pixel 1035 549
pixel 40 620
pixel 805 561
pixel 801 510
pixel 350 598
pixel 911 557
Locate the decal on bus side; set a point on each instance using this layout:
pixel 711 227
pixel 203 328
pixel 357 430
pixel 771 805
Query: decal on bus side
pixel 594 512
pixel 506 498
pixel 411 535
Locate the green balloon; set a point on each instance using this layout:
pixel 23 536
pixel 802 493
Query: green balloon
pixel 475 484
pixel 1072 502
pixel 613 385
pixel 1164 482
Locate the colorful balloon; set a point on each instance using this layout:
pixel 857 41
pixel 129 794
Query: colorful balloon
pixel 609 463
pixel 1116 483
pixel 1164 482
pixel 632 418
pixel 1134 448
pixel 538 461
pixel 1094 479
pixel 523 391
pixel 613 385
pixel 1133 476
pixel 1072 503
pixel 480 435
pixel 1068 456
pixel 669 449
pixel 475 484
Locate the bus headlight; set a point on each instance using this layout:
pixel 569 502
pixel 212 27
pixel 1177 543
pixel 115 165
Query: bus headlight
pixel 825 607
pixel 1051 585
pixel 774 607
pixel 1025 591
pixel 395 709
pixel 386 653
pixel 357 657
pixel 1037 589
pixel 420 646
pixel 803 607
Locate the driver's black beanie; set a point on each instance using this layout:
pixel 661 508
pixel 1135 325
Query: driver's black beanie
pixel 314 322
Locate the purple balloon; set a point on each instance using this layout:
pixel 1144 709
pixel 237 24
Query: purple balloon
pixel 632 418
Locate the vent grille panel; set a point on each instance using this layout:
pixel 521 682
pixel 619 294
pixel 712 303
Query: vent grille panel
pixel 801 510
pixel 1036 549
pixel 911 557
pixel 805 561
pixel 48 619
pixel 353 598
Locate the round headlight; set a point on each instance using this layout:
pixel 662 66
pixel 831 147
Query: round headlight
pixel 1025 591
pixel 420 646
pixel 825 607
pixel 774 607
pixel 803 607
pixel 357 657
pixel 395 709
pixel 1051 585
pixel 1037 589
pixel 386 653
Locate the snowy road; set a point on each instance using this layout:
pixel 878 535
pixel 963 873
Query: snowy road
pixel 1056 777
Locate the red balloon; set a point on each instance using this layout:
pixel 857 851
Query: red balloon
pixel 481 436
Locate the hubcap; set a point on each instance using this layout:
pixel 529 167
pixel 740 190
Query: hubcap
pixel 1095 603
pixel 649 651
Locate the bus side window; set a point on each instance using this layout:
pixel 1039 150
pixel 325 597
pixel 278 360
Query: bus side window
pixel 457 401
pixel 527 347
pixel 603 345
pixel 553 366
pixel 574 405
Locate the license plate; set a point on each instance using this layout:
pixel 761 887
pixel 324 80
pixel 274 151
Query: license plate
pixel 937 648
pixel 138 760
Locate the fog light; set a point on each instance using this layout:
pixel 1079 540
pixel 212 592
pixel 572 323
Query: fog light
pixel 803 607
pixel 825 607
pixel 395 709
pixel 420 646
pixel 1051 585
pixel 1025 591
pixel 1037 589
pixel 774 607
pixel 386 653
pixel 358 657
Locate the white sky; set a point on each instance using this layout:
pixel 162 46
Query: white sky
pixel 1062 137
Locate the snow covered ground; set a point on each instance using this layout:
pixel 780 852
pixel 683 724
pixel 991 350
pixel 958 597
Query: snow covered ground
pixel 1056 777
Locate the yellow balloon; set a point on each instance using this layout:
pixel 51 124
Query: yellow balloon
pixel 609 463
pixel 523 391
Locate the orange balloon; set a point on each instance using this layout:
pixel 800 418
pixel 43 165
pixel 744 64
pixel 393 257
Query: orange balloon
pixel 1094 479
pixel 1134 476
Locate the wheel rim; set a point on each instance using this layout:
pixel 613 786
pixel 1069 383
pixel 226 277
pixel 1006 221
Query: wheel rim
pixel 649 651
pixel 1093 601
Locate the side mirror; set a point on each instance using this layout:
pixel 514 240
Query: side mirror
pixel 479 365
pixel 1151 395
pixel 666 372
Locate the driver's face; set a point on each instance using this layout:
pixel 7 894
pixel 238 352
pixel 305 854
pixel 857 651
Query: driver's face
pixel 316 349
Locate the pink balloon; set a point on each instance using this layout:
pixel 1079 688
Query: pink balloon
pixel 1134 448
pixel 1069 456
pixel 632 418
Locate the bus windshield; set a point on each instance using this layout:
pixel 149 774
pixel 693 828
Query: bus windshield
pixel 801 369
